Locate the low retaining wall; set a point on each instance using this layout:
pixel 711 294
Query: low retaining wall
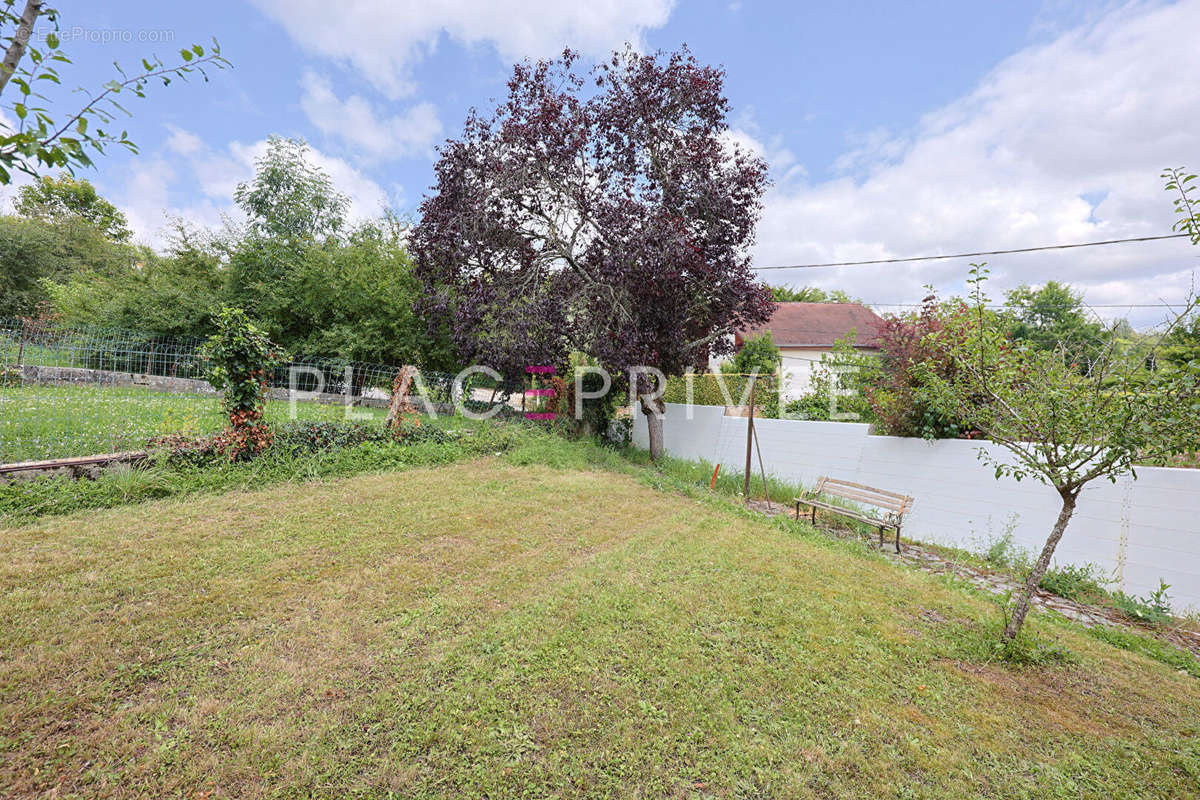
pixel 1139 530
pixel 75 467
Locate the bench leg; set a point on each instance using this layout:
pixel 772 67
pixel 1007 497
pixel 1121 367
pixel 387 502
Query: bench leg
pixel 797 510
pixel 897 538
pixel 814 516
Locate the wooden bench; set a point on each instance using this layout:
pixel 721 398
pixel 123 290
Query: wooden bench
pixel 893 505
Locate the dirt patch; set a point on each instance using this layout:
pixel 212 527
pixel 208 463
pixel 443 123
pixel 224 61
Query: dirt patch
pixel 1076 700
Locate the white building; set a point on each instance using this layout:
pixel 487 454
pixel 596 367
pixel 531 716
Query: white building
pixel 804 332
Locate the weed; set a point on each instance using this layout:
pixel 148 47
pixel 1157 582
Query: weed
pixel 1081 583
pixel 1153 609
pixel 1148 646
pixel 1004 553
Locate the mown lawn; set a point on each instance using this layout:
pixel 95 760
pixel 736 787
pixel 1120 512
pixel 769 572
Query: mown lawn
pixel 490 630
pixel 41 422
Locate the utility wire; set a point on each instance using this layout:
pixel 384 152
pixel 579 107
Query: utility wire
pixel 998 305
pixel 971 255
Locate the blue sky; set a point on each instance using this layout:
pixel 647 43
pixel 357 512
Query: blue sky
pixel 892 129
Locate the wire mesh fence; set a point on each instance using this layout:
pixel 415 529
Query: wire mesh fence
pixel 85 390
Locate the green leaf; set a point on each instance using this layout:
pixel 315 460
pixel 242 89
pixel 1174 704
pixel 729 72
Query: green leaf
pixel 20 109
pixel 187 54
pixel 81 126
pixel 198 50
pixel 52 41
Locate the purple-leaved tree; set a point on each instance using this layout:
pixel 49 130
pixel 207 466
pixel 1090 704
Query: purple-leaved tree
pixel 604 210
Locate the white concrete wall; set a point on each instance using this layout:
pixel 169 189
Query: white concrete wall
pixel 1139 530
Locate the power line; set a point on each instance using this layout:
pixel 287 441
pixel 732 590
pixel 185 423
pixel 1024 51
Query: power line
pixel 1089 305
pixel 971 255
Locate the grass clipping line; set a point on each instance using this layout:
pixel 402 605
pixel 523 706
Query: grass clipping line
pixel 488 629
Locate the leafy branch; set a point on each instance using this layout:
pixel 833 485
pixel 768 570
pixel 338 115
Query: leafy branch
pixel 39 141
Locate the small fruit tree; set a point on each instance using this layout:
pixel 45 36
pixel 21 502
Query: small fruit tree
pixel 241 358
pixel 1058 425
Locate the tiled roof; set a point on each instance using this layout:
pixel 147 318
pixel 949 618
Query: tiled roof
pixel 818 325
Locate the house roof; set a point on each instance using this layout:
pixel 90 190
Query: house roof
pixel 818 325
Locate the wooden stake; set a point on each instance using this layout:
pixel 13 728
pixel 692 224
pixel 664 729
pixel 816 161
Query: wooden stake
pixel 766 492
pixel 749 442
pixel 713 483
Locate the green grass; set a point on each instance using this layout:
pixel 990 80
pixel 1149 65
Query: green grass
pixel 501 628
pixel 40 422
pixel 520 444
pixel 25 500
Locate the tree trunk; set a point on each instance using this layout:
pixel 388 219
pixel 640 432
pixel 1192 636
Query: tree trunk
pixel 399 404
pixel 1039 569
pixel 654 408
pixel 20 41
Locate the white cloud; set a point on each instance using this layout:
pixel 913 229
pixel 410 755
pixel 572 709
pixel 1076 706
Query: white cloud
pixel 207 175
pixel 184 142
pixel 1097 112
pixel 354 120
pixel 785 168
pixel 382 39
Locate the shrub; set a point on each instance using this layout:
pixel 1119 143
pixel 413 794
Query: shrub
pixel 1003 552
pixel 846 372
pixel 810 406
pixel 171 474
pixel 706 391
pixel 914 346
pixel 598 413
pixel 178 449
pixel 408 429
pixel 318 436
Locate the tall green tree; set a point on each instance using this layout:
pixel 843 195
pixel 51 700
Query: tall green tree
pixel 1182 345
pixel 36 254
pixel 173 294
pixel 291 200
pixel 809 294
pixel 757 354
pixel 314 283
pixel 1053 317
pixel 27 256
pixel 53 200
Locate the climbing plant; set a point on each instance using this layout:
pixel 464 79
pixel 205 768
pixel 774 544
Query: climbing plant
pixel 241 357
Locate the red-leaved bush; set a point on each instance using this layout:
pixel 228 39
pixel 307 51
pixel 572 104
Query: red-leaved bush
pixel 911 344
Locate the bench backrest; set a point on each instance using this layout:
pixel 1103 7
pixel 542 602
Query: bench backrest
pixel 894 503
